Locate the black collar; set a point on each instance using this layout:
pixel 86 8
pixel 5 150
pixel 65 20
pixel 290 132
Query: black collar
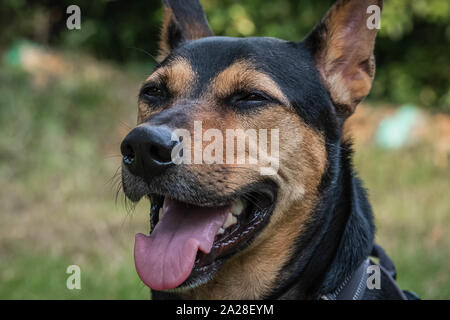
pixel 354 286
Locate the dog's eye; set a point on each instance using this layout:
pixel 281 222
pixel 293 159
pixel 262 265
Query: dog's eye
pixel 245 100
pixel 153 93
pixel 252 97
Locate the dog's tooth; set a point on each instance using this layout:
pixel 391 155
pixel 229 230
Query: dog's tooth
pixel 160 214
pixel 227 222
pixel 230 221
pixel 237 207
pixel 220 231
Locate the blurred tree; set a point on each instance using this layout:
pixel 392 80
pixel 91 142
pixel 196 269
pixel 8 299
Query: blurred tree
pixel 413 47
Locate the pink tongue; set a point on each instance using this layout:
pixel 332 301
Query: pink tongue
pixel 165 258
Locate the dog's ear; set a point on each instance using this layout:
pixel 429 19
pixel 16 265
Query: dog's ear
pixel 342 44
pixel 184 20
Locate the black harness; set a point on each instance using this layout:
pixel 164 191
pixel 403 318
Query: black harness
pixel 355 285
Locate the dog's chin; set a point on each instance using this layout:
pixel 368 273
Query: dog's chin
pixel 254 202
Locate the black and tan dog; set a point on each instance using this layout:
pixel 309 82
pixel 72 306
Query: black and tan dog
pixel 224 231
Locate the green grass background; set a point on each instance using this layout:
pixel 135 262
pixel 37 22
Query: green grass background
pixel 59 152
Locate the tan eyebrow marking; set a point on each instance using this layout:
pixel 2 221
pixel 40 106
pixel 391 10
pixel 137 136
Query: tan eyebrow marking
pixel 242 75
pixel 177 75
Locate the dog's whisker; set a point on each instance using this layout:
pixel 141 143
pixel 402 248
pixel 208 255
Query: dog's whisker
pixel 113 156
pixel 115 177
pixel 146 52
pixel 123 123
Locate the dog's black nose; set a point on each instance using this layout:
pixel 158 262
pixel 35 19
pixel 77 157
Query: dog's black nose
pixel 146 150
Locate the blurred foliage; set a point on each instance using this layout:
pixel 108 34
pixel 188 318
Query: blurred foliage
pixel 412 49
pixel 59 148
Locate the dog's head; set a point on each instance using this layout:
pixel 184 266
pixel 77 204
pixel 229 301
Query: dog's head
pixel 232 145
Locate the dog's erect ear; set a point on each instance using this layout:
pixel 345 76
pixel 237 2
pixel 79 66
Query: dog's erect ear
pixel 342 44
pixel 184 20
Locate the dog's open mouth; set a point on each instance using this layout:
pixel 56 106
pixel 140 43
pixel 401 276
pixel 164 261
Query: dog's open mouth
pixel 189 242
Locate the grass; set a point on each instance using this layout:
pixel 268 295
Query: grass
pixel 41 276
pixel 412 210
pixel 59 151
pixel 58 157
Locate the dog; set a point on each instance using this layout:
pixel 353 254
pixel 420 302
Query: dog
pixel 224 230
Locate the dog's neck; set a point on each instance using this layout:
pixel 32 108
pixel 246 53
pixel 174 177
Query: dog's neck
pixel 340 240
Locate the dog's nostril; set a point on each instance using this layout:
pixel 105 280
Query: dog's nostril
pixel 128 160
pixel 128 154
pixel 161 154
